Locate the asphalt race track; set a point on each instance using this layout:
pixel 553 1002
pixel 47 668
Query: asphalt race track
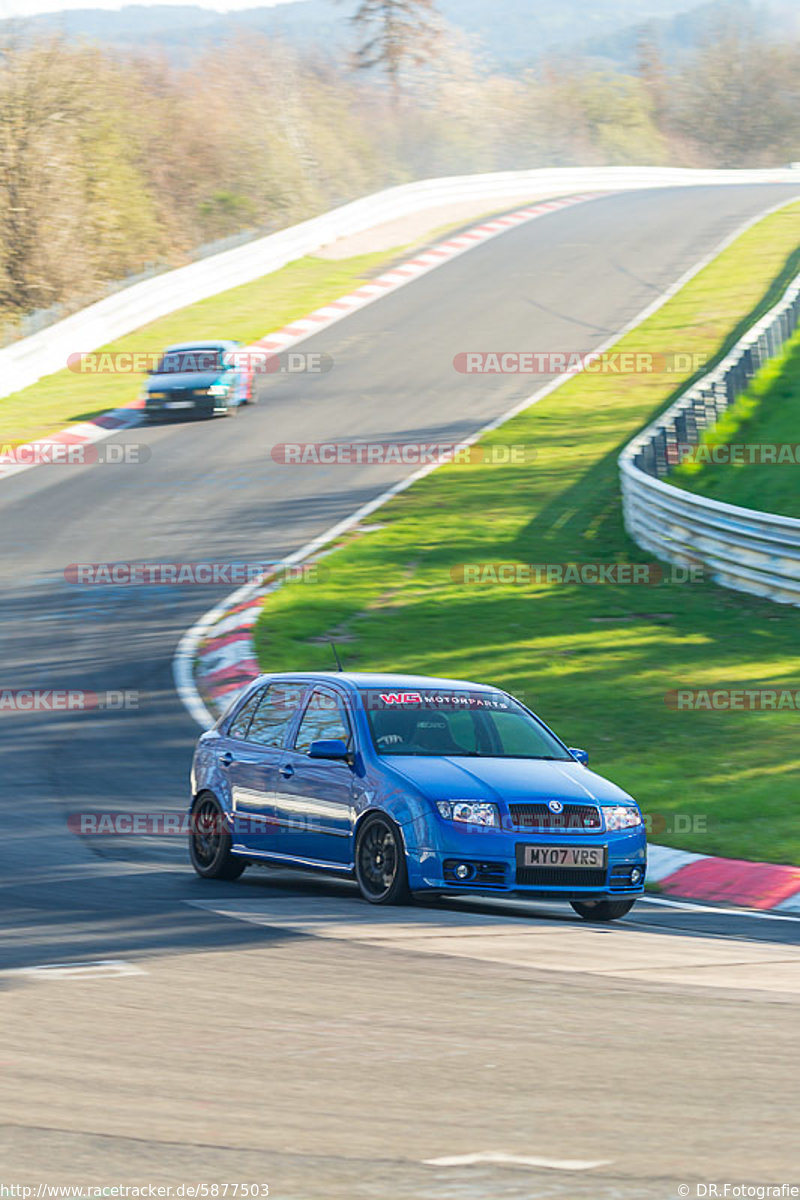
pixel 277 1030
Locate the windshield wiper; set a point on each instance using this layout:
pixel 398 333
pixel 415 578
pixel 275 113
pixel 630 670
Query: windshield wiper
pixel 481 754
pixel 547 757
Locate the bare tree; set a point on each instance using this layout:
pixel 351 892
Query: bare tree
pixel 650 69
pixel 111 163
pixel 395 32
pixel 738 100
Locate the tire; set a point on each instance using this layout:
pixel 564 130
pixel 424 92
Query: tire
pixel 602 910
pixel 210 842
pixel 380 861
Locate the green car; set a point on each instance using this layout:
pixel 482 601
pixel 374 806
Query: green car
pixel 197 379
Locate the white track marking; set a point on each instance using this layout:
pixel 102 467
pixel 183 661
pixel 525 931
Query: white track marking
pixel 633 952
pixel 526 904
pixel 663 861
pixel 102 968
pixel 517 1160
pixel 690 906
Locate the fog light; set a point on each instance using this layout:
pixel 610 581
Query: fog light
pixel 636 874
pixel 463 871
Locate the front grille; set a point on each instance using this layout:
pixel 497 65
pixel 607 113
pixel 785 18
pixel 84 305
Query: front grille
pixel 491 873
pixel 560 877
pixel 574 818
pixel 181 394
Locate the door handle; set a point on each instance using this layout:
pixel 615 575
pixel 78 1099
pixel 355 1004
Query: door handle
pixel 226 759
pixel 286 770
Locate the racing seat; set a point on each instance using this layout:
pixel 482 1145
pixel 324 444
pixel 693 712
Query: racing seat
pixel 433 734
pixel 393 727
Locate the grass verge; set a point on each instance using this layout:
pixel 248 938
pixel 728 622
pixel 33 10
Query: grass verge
pixel 595 661
pixel 766 415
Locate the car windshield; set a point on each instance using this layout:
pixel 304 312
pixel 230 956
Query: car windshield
pixel 471 724
pixel 202 358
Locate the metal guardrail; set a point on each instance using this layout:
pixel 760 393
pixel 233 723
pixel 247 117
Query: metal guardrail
pixel 741 548
pixel 28 360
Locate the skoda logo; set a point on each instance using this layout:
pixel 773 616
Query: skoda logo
pixel 555 806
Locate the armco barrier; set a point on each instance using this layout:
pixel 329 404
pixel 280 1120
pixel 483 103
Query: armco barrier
pixel 24 362
pixel 743 549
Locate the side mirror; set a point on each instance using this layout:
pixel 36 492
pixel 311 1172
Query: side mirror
pixel 333 748
pixel 581 755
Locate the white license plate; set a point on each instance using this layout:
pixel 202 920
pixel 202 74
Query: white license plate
pixel 565 856
pixel 179 404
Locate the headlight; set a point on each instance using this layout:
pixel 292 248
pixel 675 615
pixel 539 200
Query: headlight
pixel 623 816
pixel 472 812
pixel 218 389
pixel 154 395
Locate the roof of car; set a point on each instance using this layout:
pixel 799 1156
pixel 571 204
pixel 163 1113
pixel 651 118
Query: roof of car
pixel 377 680
pixel 206 344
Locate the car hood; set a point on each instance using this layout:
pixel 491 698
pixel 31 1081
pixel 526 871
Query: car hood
pixel 183 380
pixel 504 779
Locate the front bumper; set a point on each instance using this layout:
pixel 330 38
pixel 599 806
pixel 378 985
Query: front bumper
pixel 495 861
pixel 179 406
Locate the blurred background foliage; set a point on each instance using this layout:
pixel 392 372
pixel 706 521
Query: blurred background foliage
pixel 118 157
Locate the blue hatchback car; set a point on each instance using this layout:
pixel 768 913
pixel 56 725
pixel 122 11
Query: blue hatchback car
pixel 411 785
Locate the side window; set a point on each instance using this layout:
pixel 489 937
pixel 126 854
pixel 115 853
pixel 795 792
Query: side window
pixel 272 718
pixel 323 720
pixel 240 723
